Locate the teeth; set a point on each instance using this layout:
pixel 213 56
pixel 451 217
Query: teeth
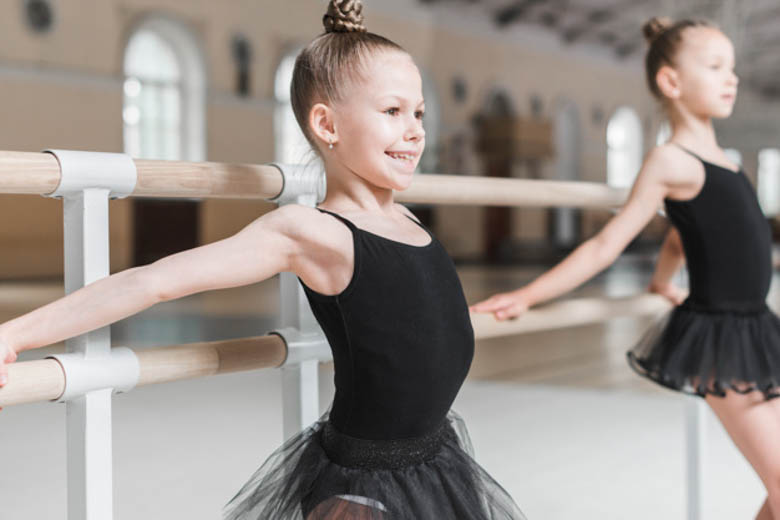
pixel 401 156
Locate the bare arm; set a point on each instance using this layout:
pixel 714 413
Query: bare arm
pixel 595 254
pixel 670 259
pixel 279 241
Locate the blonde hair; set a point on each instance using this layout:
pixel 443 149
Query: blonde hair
pixel 333 60
pixel 664 37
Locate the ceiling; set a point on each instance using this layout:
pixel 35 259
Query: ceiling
pixel 615 25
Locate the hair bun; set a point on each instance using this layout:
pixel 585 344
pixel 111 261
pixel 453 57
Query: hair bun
pixel 653 28
pixel 344 16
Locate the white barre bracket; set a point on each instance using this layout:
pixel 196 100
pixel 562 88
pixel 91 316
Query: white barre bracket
pixel 303 184
pixel 118 371
pixel 79 171
pixel 303 347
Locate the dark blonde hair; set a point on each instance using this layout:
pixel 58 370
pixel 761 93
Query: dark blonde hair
pixel 333 60
pixel 664 37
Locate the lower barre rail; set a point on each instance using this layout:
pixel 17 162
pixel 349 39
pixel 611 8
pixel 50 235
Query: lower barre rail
pixel 44 380
pixel 570 313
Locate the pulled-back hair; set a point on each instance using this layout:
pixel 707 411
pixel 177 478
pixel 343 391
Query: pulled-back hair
pixel 333 60
pixel 664 37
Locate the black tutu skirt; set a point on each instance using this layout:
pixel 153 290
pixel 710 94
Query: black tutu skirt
pixel 703 351
pixel 322 474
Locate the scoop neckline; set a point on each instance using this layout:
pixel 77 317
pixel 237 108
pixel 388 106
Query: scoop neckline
pixel 736 172
pixel 423 246
pixel 406 244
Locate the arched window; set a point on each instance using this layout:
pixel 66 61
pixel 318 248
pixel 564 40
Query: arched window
pixel 429 162
pixel 164 93
pixel 769 180
pixel 291 145
pixel 624 147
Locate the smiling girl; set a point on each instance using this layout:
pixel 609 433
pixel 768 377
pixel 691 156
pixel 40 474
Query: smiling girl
pixel 381 286
pixel 722 342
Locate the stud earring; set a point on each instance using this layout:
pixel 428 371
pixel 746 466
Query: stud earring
pixel 330 144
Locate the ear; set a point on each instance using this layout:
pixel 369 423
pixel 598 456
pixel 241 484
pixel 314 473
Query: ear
pixel 668 82
pixel 322 125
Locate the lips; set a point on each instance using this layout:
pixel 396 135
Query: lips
pixel 402 156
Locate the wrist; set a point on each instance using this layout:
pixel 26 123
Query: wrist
pixel 522 295
pixel 5 341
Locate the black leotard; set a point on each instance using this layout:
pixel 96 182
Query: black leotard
pixel 401 338
pixel 727 242
pixel 723 336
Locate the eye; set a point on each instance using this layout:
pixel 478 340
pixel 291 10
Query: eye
pixel 392 111
pixel 419 114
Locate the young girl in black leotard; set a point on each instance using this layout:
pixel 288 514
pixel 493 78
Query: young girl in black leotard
pixel 721 342
pixel 382 287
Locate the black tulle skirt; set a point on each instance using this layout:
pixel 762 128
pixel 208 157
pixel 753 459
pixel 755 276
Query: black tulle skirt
pixel 322 474
pixel 703 351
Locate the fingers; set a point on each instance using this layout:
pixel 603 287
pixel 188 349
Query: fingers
pixel 3 374
pixel 510 312
pixel 492 304
pixel 8 357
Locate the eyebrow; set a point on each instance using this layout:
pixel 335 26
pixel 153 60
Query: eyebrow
pixel 397 98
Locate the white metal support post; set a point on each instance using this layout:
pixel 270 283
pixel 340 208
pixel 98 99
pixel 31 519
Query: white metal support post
pixel 87 181
pixel 306 344
pixel 695 443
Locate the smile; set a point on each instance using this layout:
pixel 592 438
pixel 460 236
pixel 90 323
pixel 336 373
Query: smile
pixel 402 156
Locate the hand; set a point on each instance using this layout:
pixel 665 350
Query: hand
pixel 7 356
pixel 671 292
pixel 504 306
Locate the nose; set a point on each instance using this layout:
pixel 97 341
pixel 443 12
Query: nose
pixel 415 131
pixel 734 79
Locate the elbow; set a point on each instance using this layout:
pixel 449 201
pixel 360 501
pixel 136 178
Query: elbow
pixel 150 285
pixel 605 252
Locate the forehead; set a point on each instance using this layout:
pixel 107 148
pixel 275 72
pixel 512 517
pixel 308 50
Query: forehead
pixel 705 42
pixel 391 73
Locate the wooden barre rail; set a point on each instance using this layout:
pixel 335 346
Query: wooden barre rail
pixel 39 173
pixel 44 380
pixel 496 191
pixel 569 313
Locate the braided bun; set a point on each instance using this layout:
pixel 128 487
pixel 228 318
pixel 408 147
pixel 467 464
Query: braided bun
pixel 655 26
pixel 344 16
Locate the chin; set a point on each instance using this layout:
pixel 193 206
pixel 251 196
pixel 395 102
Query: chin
pixel 723 114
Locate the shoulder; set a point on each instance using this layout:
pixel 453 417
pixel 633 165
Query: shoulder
pixel 305 226
pixel 671 165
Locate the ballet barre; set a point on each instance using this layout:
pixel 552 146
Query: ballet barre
pixel 40 173
pixel 86 181
pixel 45 379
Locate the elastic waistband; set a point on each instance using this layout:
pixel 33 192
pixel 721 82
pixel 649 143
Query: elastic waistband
pixel 352 452
pixel 738 307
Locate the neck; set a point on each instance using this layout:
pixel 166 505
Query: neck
pixel 691 130
pixel 348 192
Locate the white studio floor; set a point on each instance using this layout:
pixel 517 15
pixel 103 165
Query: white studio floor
pixel 182 449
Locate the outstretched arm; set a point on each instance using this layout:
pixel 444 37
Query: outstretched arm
pixel 271 244
pixel 595 254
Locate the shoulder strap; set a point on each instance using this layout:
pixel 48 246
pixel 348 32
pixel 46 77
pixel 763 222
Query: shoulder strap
pixel 684 149
pixel 345 221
